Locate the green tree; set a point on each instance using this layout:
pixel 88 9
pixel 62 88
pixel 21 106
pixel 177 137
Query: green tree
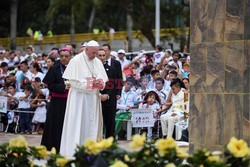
pixel 72 8
pixel 143 15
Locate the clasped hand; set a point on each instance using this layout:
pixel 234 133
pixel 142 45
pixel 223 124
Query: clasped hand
pixel 104 97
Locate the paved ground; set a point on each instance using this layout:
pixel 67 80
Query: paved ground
pixel 34 140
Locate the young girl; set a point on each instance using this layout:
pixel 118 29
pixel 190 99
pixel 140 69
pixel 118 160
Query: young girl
pixel 151 101
pixel 40 113
pixel 36 71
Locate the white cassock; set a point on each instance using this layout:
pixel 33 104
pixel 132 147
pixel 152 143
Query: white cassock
pixel 83 115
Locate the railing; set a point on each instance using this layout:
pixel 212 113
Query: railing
pixel 102 36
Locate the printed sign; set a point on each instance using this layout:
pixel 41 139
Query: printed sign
pixel 142 117
pixel 3 104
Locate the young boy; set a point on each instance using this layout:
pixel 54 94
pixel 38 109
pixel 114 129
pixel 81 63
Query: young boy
pixel 159 89
pixel 24 107
pixel 154 74
pixel 172 75
pixel 12 99
pixel 175 113
pixel 141 91
pixel 125 103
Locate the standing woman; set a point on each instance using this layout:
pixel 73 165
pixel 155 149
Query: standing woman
pixel 59 93
pixel 36 71
pixel 50 62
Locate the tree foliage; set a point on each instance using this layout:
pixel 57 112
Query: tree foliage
pixel 56 14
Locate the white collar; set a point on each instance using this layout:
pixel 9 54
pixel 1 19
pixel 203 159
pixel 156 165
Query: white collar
pixel 109 61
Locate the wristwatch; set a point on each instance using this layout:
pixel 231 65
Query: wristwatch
pixel 108 96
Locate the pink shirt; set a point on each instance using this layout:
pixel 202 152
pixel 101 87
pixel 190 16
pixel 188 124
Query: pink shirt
pixel 128 72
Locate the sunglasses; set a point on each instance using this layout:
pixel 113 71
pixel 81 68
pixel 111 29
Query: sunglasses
pixel 102 55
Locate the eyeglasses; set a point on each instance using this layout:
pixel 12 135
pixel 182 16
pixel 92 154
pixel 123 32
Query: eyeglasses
pixel 102 55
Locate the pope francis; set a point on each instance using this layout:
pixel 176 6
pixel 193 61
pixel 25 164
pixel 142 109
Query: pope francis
pixel 83 116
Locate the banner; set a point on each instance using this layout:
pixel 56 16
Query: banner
pixel 3 104
pixel 142 118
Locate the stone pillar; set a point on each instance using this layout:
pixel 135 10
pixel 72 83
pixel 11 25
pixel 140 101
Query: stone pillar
pixel 220 72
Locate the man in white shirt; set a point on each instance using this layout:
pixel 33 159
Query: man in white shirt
pixel 12 60
pixel 19 57
pixel 2 57
pixel 122 58
pixel 30 55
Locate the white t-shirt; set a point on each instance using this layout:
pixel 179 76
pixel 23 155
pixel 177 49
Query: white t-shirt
pixel 5 75
pixel 154 107
pixel 4 60
pixel 23 103
pixel 157 57
pixel 21 59
pixel 45 92
pixel 11 63
pixel 178 62
pixel 163 95
pixel 38 74
pixel 28 74
pixel 32 56
pixel 138 96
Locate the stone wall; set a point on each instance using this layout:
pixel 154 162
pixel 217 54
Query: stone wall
pixel 220 72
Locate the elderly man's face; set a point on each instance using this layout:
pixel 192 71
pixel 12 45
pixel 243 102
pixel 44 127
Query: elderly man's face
pixel 65 57
pixel 92 52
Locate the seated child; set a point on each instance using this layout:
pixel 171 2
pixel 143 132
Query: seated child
pixel 125 103
pixel 152 102
pixel 159 89
pixel 154 74
pixel 172 75
pixel 141 91
pixel 175 113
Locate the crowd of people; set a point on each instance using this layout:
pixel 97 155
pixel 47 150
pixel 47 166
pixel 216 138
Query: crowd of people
pixel 40 89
